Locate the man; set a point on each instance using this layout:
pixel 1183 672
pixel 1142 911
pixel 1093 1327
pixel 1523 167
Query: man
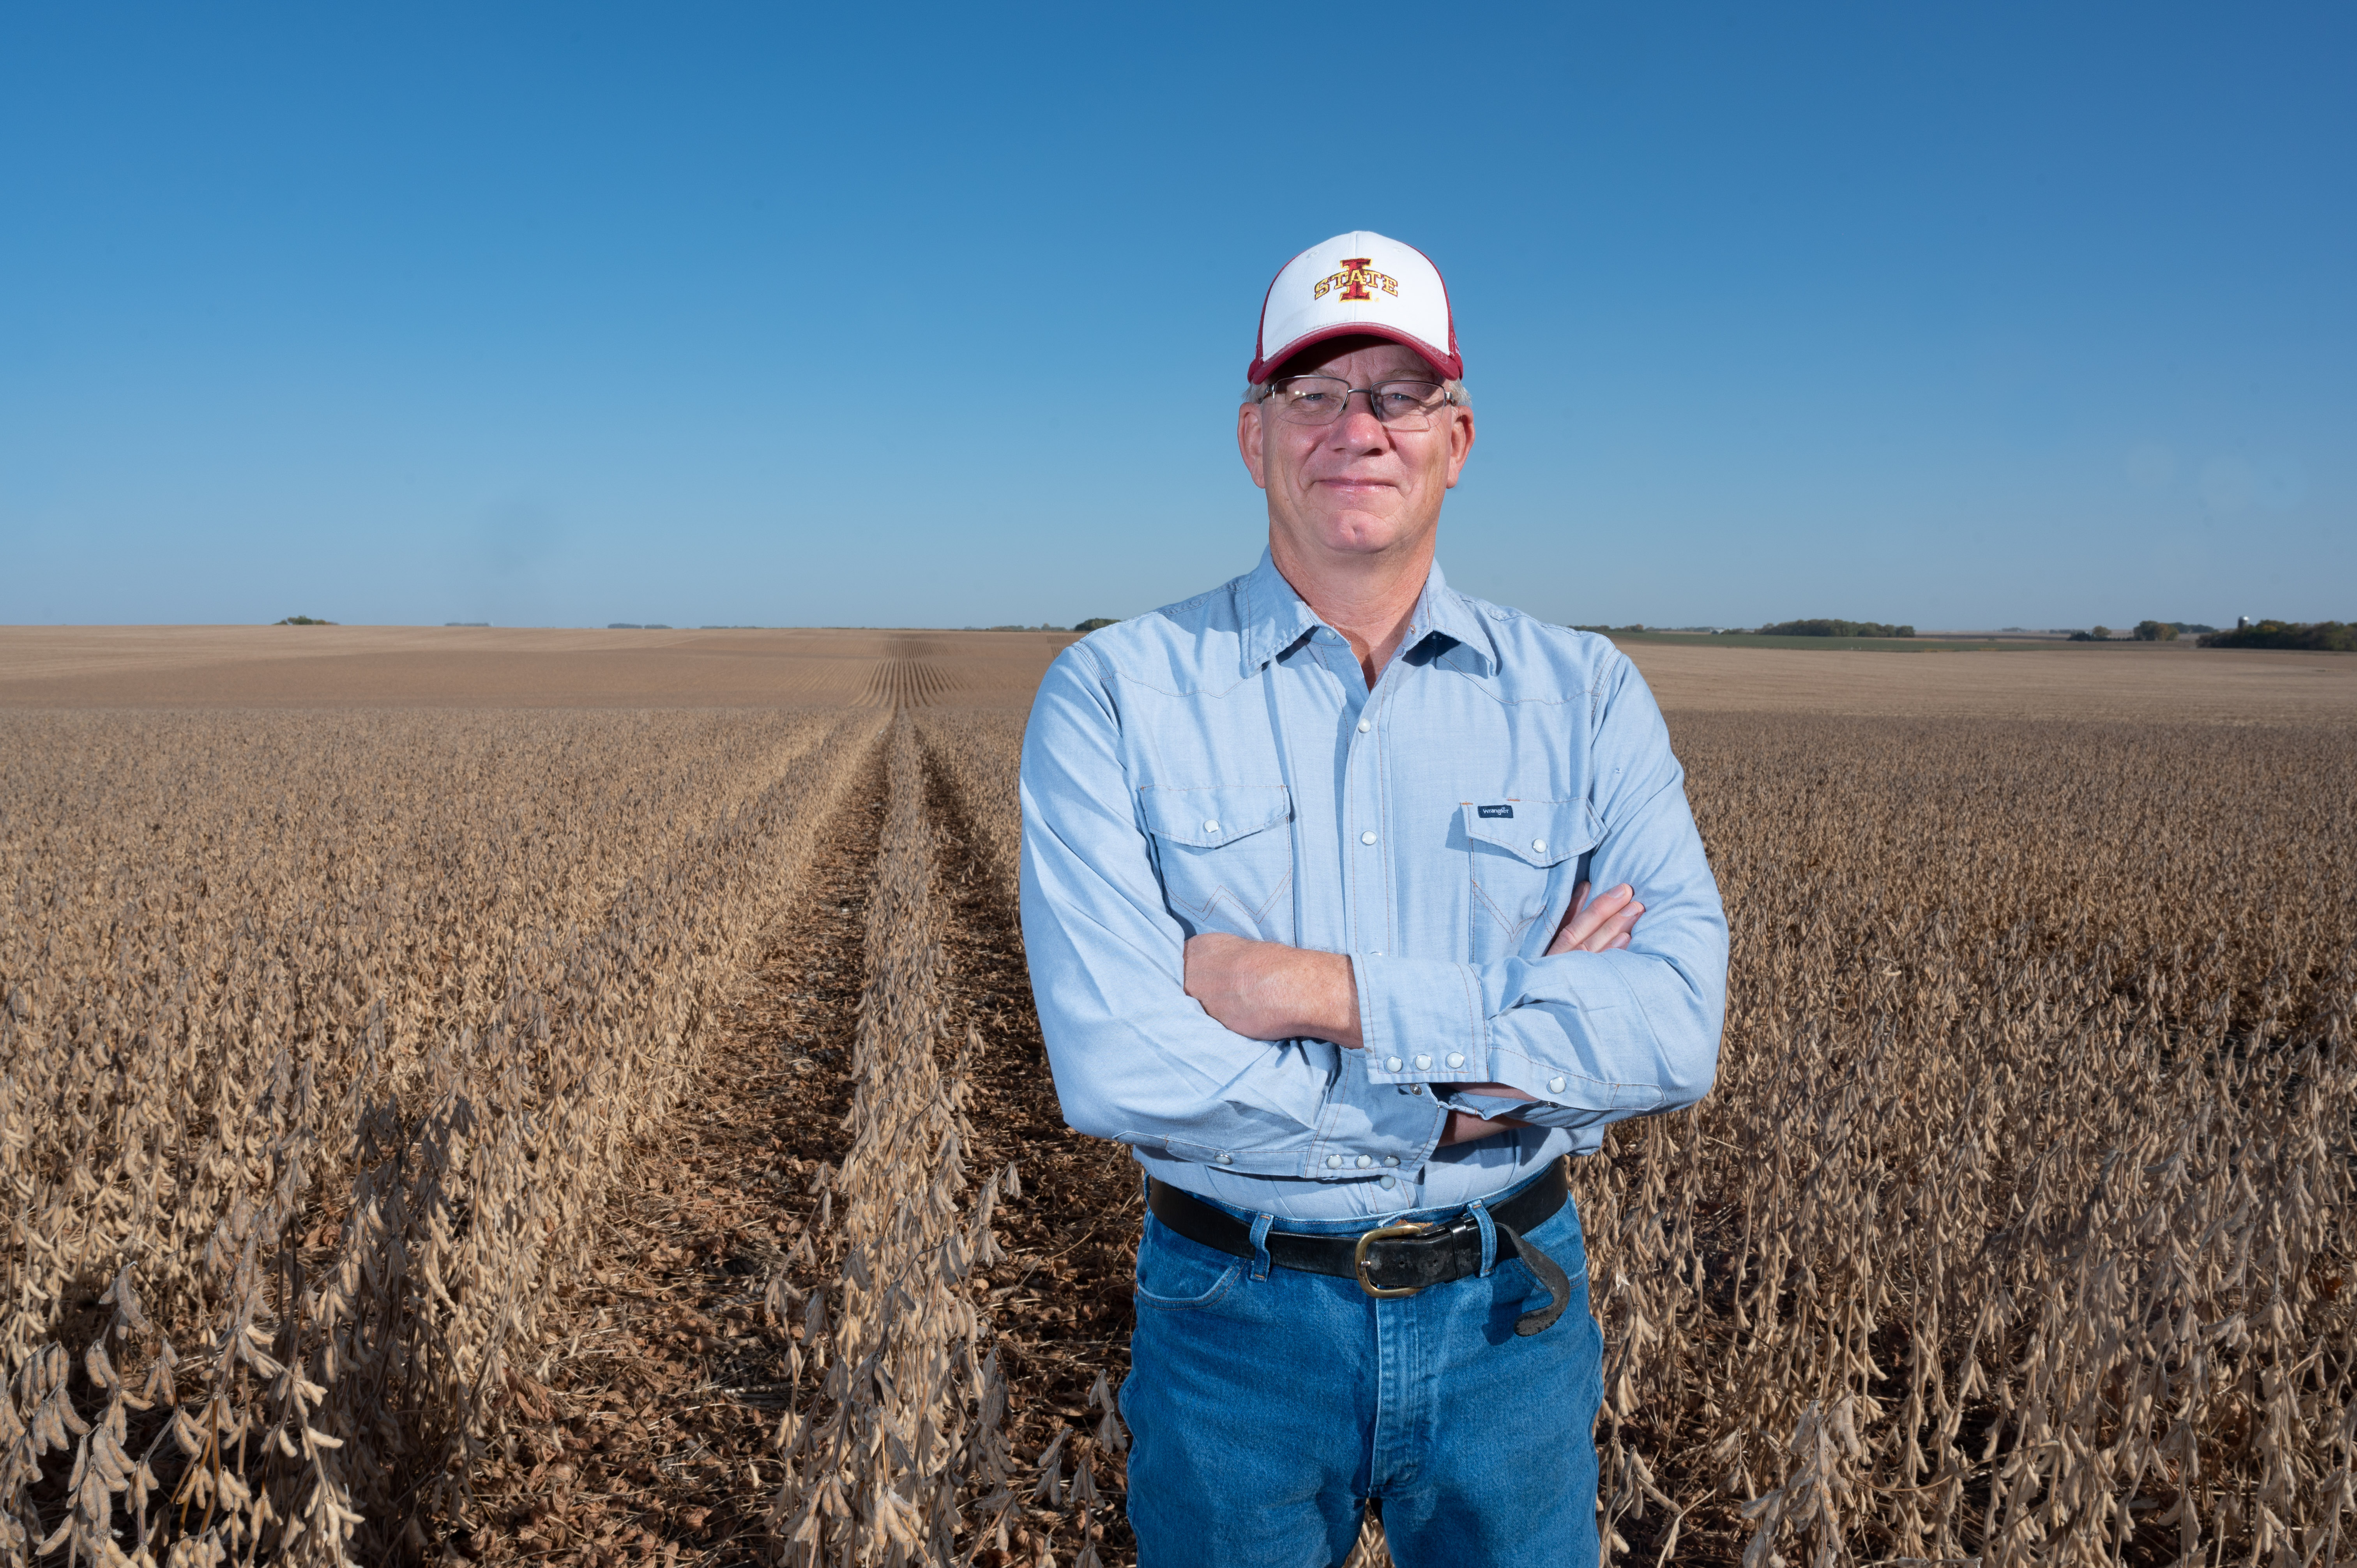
pixel 1304 873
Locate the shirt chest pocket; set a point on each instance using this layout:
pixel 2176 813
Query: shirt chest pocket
pixel 1226 857
pixel 1524 856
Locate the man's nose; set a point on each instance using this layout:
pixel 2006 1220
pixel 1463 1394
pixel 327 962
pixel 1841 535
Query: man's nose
pixel 1359 426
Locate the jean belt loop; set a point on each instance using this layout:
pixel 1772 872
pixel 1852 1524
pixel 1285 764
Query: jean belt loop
pixel 1261 1222
pixel 1488 1236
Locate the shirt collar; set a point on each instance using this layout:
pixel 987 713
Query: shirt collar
pixel 1274 617
pixel 1444 611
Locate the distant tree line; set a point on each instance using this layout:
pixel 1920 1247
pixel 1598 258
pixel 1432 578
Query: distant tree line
pixel 1781 628
pixel 2318 635
pixel 1835 628
pixel 302 620
pixel 2146 631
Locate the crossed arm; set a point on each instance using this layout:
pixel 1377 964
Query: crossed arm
pixel 1268 990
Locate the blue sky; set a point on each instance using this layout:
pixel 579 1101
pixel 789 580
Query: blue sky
pixel 561 314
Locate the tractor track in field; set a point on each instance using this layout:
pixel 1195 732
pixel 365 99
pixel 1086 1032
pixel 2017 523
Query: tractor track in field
pixel 646 1436
pixel 651 1442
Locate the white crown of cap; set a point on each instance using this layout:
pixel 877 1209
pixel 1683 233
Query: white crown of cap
pixel 1351 284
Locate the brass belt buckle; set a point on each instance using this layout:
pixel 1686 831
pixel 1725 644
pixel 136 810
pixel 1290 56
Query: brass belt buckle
pixel 1359 1259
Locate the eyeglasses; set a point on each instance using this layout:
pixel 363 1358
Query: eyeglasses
pixel 1322 400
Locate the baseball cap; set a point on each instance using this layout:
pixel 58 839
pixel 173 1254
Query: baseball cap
pixel 1357 285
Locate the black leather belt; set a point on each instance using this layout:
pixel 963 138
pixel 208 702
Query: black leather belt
pixel 1392 1260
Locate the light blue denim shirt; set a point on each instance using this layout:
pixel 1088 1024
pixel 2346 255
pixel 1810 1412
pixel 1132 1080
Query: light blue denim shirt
pixel 1220 764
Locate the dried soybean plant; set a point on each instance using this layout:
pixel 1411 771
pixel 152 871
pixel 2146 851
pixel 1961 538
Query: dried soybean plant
pixel 2018 1227
pixel 898 1449
pixel 981 750
pixel 322 1035
pixel 1073 1338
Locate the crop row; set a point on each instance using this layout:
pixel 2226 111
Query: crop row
pixel 323 1037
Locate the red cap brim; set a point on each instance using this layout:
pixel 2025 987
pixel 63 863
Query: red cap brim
pixel 1450 365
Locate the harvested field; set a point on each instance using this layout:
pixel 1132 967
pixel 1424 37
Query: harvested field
pixel 2165 685
pixel 484 667
pixel 442 667
pixel 574 1097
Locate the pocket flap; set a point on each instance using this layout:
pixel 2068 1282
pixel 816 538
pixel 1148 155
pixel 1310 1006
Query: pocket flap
pixel 1205 819
pixel 1538 833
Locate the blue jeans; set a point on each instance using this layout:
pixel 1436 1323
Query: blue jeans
pixel 1267 1406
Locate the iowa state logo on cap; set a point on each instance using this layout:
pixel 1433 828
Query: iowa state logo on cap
pixel 1357 276
pixel 1357 285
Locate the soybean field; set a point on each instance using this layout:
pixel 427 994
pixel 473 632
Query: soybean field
pixel 575 1098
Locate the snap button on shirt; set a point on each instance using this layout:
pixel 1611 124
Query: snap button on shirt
pixel 1457 1059
pixel 1393 1064
pixel 1212 827
pixel 1364 726
pixel 1367 837
pixel 1538 845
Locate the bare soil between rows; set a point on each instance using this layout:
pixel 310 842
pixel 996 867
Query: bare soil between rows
pixel 652 1442
pixel 646 1435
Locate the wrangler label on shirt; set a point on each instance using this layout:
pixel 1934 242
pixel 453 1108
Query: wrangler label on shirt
pixel 1493 810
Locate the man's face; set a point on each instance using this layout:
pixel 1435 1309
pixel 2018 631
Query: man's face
pixel 1356 486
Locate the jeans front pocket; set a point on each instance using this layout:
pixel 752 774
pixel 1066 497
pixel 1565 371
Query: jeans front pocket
pixel 1175 1274
pixel 1225 856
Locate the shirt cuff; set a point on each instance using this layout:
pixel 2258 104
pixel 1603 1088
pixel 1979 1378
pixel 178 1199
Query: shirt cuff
pixel 1373 1130
pixel 1421 1020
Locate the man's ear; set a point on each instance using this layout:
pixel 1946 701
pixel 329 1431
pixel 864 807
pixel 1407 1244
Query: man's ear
pixel 1461 443
pixel 1248 442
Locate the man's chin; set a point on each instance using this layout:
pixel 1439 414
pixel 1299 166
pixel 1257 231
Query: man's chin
pixel 1356 534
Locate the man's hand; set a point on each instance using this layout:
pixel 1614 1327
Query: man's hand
pixel 1464 1127
pixel 1597 925
pixel 1268 990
